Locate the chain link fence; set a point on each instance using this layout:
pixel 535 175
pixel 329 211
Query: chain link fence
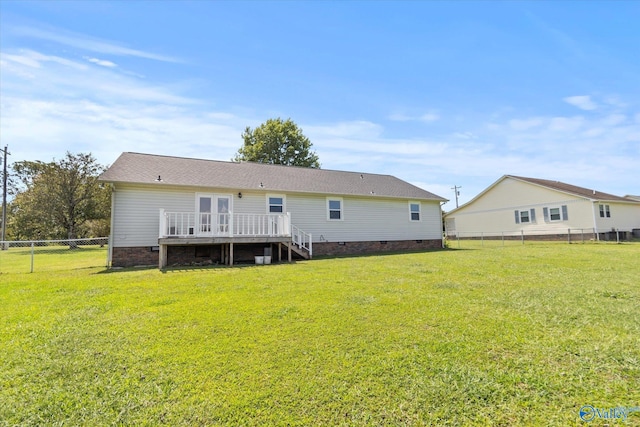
pixel 478 239
pixel 49 255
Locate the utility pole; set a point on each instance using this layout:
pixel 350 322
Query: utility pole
pixel 4 197
pixel 456 188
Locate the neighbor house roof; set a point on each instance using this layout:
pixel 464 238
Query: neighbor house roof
pixel 572 189
pixel 136 168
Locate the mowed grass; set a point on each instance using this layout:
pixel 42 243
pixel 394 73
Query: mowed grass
pixel 522 335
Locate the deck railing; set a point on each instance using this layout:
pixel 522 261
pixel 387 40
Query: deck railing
pixel 302 239
pixel 190 224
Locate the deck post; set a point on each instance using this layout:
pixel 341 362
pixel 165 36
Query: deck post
pixel 162 257
pixel 231 254
pixel 289 250
pixel 279 252
pixel 163 224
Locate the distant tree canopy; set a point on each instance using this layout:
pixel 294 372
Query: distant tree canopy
pixel 59 200
pixel 277 142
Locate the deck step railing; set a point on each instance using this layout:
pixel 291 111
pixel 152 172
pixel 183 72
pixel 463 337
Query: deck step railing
pixel 302 239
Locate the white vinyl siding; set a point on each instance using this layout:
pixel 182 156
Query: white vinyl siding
pixel 364 219
pixel 137 214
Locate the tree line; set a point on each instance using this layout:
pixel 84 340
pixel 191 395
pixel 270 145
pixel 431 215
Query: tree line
pixel 63 199
pixel 60 199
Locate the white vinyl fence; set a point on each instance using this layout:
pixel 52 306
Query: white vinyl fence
pixel 51 255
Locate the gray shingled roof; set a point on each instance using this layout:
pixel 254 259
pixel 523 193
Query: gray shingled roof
pixel 573 189
pixel 146 168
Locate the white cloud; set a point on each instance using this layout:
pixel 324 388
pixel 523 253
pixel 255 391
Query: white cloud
pixel 525 124
pixel 430 117
pixel 614 119
pixel 101 62
pixel 399 117
pixel 583 102
pixel 87 43
pixel 566 124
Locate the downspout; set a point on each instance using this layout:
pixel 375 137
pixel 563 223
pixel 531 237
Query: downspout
pixel 595 224
pixel 442 224
pixel 113 214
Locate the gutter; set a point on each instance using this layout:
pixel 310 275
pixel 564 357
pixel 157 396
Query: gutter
pixel 595 224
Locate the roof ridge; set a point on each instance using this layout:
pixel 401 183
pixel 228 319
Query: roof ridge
pixel 258 163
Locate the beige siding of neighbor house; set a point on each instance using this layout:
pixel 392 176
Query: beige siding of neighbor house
pixel 624 217
pixel 494 212
pixel 137 214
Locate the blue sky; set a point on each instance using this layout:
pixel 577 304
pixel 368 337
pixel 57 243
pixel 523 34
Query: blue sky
pixel 436 93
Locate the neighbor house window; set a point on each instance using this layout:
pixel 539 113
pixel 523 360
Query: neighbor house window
pixel 334 209
pixel 604 211
pixel 275 203
pixel 414 211
pixel 525 216
pixel 556 214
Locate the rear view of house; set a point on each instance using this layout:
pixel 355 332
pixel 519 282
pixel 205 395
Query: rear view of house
pixel 549 209
pixel 172 210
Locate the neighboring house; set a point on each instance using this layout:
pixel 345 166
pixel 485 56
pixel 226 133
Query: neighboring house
pixel 515 205
pixel 172 210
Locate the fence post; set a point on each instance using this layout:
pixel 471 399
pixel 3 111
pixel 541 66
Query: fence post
pixel 617 236
pixel 582 234
pixel 482 238
pixel 569 235
pixel 502 232
pixel 522 234
pixel 458 236
pixel 32 246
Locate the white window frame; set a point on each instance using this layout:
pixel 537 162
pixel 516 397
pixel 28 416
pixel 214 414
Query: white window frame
pixel 559 215
pixel 335 199
pixel 279 196
pixel 524 214
pixel 419 211
pixel 605 211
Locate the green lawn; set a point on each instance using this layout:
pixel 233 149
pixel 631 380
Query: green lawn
pixel 520 335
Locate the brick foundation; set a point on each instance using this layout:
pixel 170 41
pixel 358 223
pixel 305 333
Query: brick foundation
pixel 245 253
pixel 133 257
pixel 357 248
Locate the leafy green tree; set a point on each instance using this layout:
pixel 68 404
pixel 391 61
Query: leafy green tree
pixel 60 199
pixel 277 142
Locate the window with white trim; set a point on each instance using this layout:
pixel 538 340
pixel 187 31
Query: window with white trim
pixel 334 209
pixel 525 216
pixel 555 214
pixel 414 211
pixel 604 211
pixel 275 203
